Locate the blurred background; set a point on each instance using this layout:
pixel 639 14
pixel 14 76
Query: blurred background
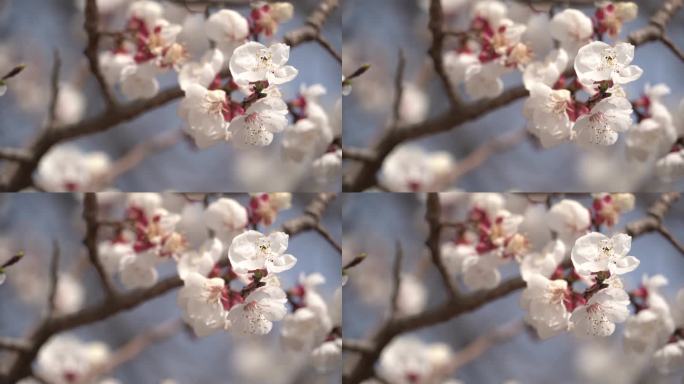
pixel 523 167
pixel 31 29
pixel 373 223
pixel 29 222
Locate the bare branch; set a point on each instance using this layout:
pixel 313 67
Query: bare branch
pixel 396 278
pixel 673 47
pixel 54 279
pixel 91 27
pixel 356 346
pixel 54 88
pixel 90 210
pixel 312 214
pixel 436 26
pixel 358 154
pixel 15 154
pixel 398 88
pixel 14 344
pixel 328 237
pixel 670 237
pixel 432 216
pixel 311 31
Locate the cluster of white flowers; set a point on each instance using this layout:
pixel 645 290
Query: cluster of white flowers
pixel 409 360
pixel 66 168
pixel 411 169
pixel 314 327
pixel 231 86
pixel 489 238
pixel 230 273
pixel 67 360
pixel 657 328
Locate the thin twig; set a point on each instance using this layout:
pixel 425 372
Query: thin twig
pixel 398 88
pixel 432 216
pixel 396 279
pixel 673 47
pixel 54 279
pixel 54 88
pixel 328 237
pixel 436 26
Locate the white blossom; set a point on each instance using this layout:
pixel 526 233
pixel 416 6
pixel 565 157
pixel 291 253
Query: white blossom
pixel 202 303
pixel 251 250
pixel 602 124
pixel 203 110
pixel 569 219
pixel 201 261
pixel 66 168
pixel 410 168
pixel 595 252
pixel 671 167
pixel 484 80
pixel 228 29
pixel 256 315
pixel 547 116
pixel 544 301
pixel 66 359
pixel 545 262
pixel 481 271
pixel 252 62
pixel 598 61
pixel 572 29
pixel 203 72
pixel 227 218
pixel 598 317
pixel 261 120
pixel 408 360
pixel 138 81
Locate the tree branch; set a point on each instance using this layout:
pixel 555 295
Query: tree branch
pixel 436 26
pixel 432 216
pixel 90 210
pixel 91 27
pixel 311 31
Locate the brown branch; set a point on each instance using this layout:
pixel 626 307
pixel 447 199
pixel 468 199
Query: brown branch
pixel 673 47
pixel 356 346
pixel 90 210
pixel 311 31
pixel 15 154
pixel 432 216
pixel 396 279
pixel 360 177
pixel 323 42
pixel 357 154
pixel 436 26
pixel 54 279
pixel 328 237
pixel 91 27
pixel 398 88
pixel 54 88
pixel 312 214
pixel 14 344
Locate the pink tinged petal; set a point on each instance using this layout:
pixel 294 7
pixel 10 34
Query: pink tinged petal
pixel 591 321
pixel 627 74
